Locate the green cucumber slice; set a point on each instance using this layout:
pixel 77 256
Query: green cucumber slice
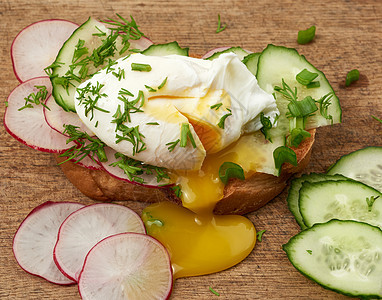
pixel 294 192
pixel 251 61
pixel 343 256
pixel 241 53
pixel 345 200
pixel 364 165
pixel 165 49
pixel 64 88
pixel 277 63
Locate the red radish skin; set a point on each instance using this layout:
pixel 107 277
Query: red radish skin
pixel 140 44
pixel 37 45
pixel 35 238
pixel 150 181
pixel 85 228
pixel 28 126
pixel 126 266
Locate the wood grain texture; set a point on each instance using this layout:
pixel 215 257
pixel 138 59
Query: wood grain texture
pixel 349 34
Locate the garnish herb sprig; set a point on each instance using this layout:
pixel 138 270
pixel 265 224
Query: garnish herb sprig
pixel 220 26
pixel 36 98
pixel 85 145
pixel 89 96
pixel 185 136
pixel 135 168
pixel 221 123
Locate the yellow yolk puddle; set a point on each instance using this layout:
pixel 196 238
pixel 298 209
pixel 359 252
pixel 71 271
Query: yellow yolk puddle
pixel 199 244
pixel 198 241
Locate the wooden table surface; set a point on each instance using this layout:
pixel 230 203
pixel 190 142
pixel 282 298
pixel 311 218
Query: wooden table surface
pixel 349 34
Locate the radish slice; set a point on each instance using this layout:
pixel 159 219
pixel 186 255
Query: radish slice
pixel 36 47
pixel 88 163
pixel 209 53
pixel 35 239
pixel 85 228
pixel 56 117
pixel 149 180
pixel 140 44
pixel 126 266
pixel 28 125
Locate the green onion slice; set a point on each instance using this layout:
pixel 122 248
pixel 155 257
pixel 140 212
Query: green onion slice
pixel 284 154
pixel 352 76
pixel 230 170
pixel 306 36
pixel 296 136
pixel 302 108
pixel 140 67
pixel 305 77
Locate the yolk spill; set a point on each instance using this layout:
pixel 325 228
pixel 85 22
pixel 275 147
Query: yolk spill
pixel 198 241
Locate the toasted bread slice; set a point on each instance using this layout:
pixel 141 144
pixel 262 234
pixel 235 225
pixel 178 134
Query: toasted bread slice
pixel 240 196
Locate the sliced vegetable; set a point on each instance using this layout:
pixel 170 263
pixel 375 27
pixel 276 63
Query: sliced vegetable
pixel 240 52
pixel 30 52
pixel 343 256
pixel 35 238
pixel 320 202
pixel 85 228
pixel 126 266
pixel 165 49
pixel 294 192
pixel 282 155
pixel 27 124
pixel 364 165
pixel 277 70
pixel 251 61
pixel 230 170
pixel 306 36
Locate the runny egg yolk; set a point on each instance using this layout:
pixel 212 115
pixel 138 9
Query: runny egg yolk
pixel 198 241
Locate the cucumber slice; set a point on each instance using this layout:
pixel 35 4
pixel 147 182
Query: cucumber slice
pixel 165 49
pixel 277 63
pixel 343 256
pixel 345 200
pixel 251 61
pixel 241 53
pixel 364 165
pixel 64 88
pixel 294 192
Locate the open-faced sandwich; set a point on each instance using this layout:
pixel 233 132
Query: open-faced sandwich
pixel 131 120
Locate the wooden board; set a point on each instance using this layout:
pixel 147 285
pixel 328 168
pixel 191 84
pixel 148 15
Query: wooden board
pixel 349 34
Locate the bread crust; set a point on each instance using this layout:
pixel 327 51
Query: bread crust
pixel 240 196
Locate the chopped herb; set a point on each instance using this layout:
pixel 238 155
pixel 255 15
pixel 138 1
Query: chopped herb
pixel 305 77
pixel 216 106
pixel 36 98
pixel 230 170
pixel 296 136
pixel 86 145
pixel 220 26
pixel 96 124
pixel 352 76
pixel 223 118
pixel 88 96
pixel 150 220
pixel 185 135
pixel 177 190
pixel 284 154
pixel 370 201
pixel 152 123
pixel 306 36
pixel 324 103
pixel 132 135
pixel 313 85
pixel 259 234
pixel 378 119
pixel 309 251
pixel 150 89
pixel 162 84
pixel 123 91
pixel 79 50
pixel 49 69
pixel 303 108
pixel 120 74
pixel 140 67
pixel 267 126
pixel 135 168
pixel 172 145
pixel 100 32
